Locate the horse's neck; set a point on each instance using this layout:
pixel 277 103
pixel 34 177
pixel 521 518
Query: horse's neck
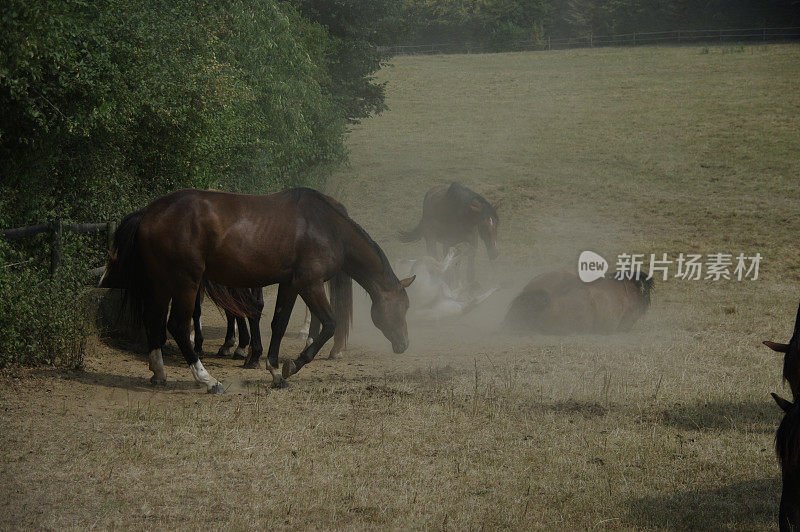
pixel 363 263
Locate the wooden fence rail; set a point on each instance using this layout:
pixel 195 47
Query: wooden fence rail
pixel 56 228
pixel 621 39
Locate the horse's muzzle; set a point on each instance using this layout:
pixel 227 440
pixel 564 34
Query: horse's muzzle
pixel 400 347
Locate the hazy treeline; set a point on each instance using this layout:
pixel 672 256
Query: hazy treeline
pixel 107 104
pixel 498 23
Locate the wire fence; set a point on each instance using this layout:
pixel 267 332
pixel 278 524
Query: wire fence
pixel 739 35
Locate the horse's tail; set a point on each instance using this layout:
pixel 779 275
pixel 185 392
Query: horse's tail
pixel 413 235
pixel 341 288
pixel 129 272
pixel 237 301
pixel 524 309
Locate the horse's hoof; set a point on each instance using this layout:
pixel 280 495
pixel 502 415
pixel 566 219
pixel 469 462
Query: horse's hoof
pixel 335 356
pixel 280 384
pixel 250 364
pixel 239 354
pixel 224 352
pixel 289 368
pixel 217 389
pixel 155 381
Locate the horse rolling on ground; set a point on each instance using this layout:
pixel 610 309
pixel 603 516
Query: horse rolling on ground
pixel 431 297
pixel 298 239
pixel 560 303
pixel 787 448
pixel 452 214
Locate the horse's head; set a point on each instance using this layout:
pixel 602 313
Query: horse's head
pixel 791 357
pixel 487 225
pixel 389 314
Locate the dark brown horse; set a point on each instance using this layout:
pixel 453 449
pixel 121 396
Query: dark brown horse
pixel 791 358
pixel 560 303
pixel 787 447
pixel 452 214
pixel 298 239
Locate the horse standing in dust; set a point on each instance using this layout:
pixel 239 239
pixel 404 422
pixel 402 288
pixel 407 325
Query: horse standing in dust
pixel 298 239
pixel 452 214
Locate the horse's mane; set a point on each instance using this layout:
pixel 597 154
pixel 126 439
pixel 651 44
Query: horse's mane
pixel 643 283
pixel 339 209
pixel 787 440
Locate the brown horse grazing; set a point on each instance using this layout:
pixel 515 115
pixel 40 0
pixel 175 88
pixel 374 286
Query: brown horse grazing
pixel 787 447
pixel 297 238
pixel 560 303
pixel 791 358
pixel 452 214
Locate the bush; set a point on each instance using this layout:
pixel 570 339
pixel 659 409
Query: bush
pixel 43 320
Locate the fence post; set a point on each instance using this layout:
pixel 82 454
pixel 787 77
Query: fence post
pixel 55 249
pixel 548 43
pixel 634 38
pixel 111 228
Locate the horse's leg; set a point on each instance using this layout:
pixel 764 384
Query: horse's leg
pixel 313 329
pixel 317 302
pixel 155 321
pixel 338 346
pixel 198 323
pixel 472 286
pixel 226 349
pixel 244 339
pixel 178 324
pixel 287 294
pixel 255 349
pixel 305 329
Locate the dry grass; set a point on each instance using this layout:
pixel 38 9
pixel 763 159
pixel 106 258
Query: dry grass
pixel 671 426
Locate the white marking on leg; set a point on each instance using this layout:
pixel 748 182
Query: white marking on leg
pixel 201 376
pixel 157 366
pixel 191 328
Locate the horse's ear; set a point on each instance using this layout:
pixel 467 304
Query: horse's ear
pixel 775 346
pixel 783 403
pixel 496 205
pixel 407 281
pixel 112 254
pixel 476 205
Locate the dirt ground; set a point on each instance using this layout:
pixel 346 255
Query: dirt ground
pixel 670 426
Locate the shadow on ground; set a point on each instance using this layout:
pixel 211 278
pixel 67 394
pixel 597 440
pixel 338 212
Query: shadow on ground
pixel 759 415
pixel 743 505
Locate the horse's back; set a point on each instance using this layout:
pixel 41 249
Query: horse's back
pixel 234 239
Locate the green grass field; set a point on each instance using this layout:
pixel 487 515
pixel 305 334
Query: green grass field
pixel 646 150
